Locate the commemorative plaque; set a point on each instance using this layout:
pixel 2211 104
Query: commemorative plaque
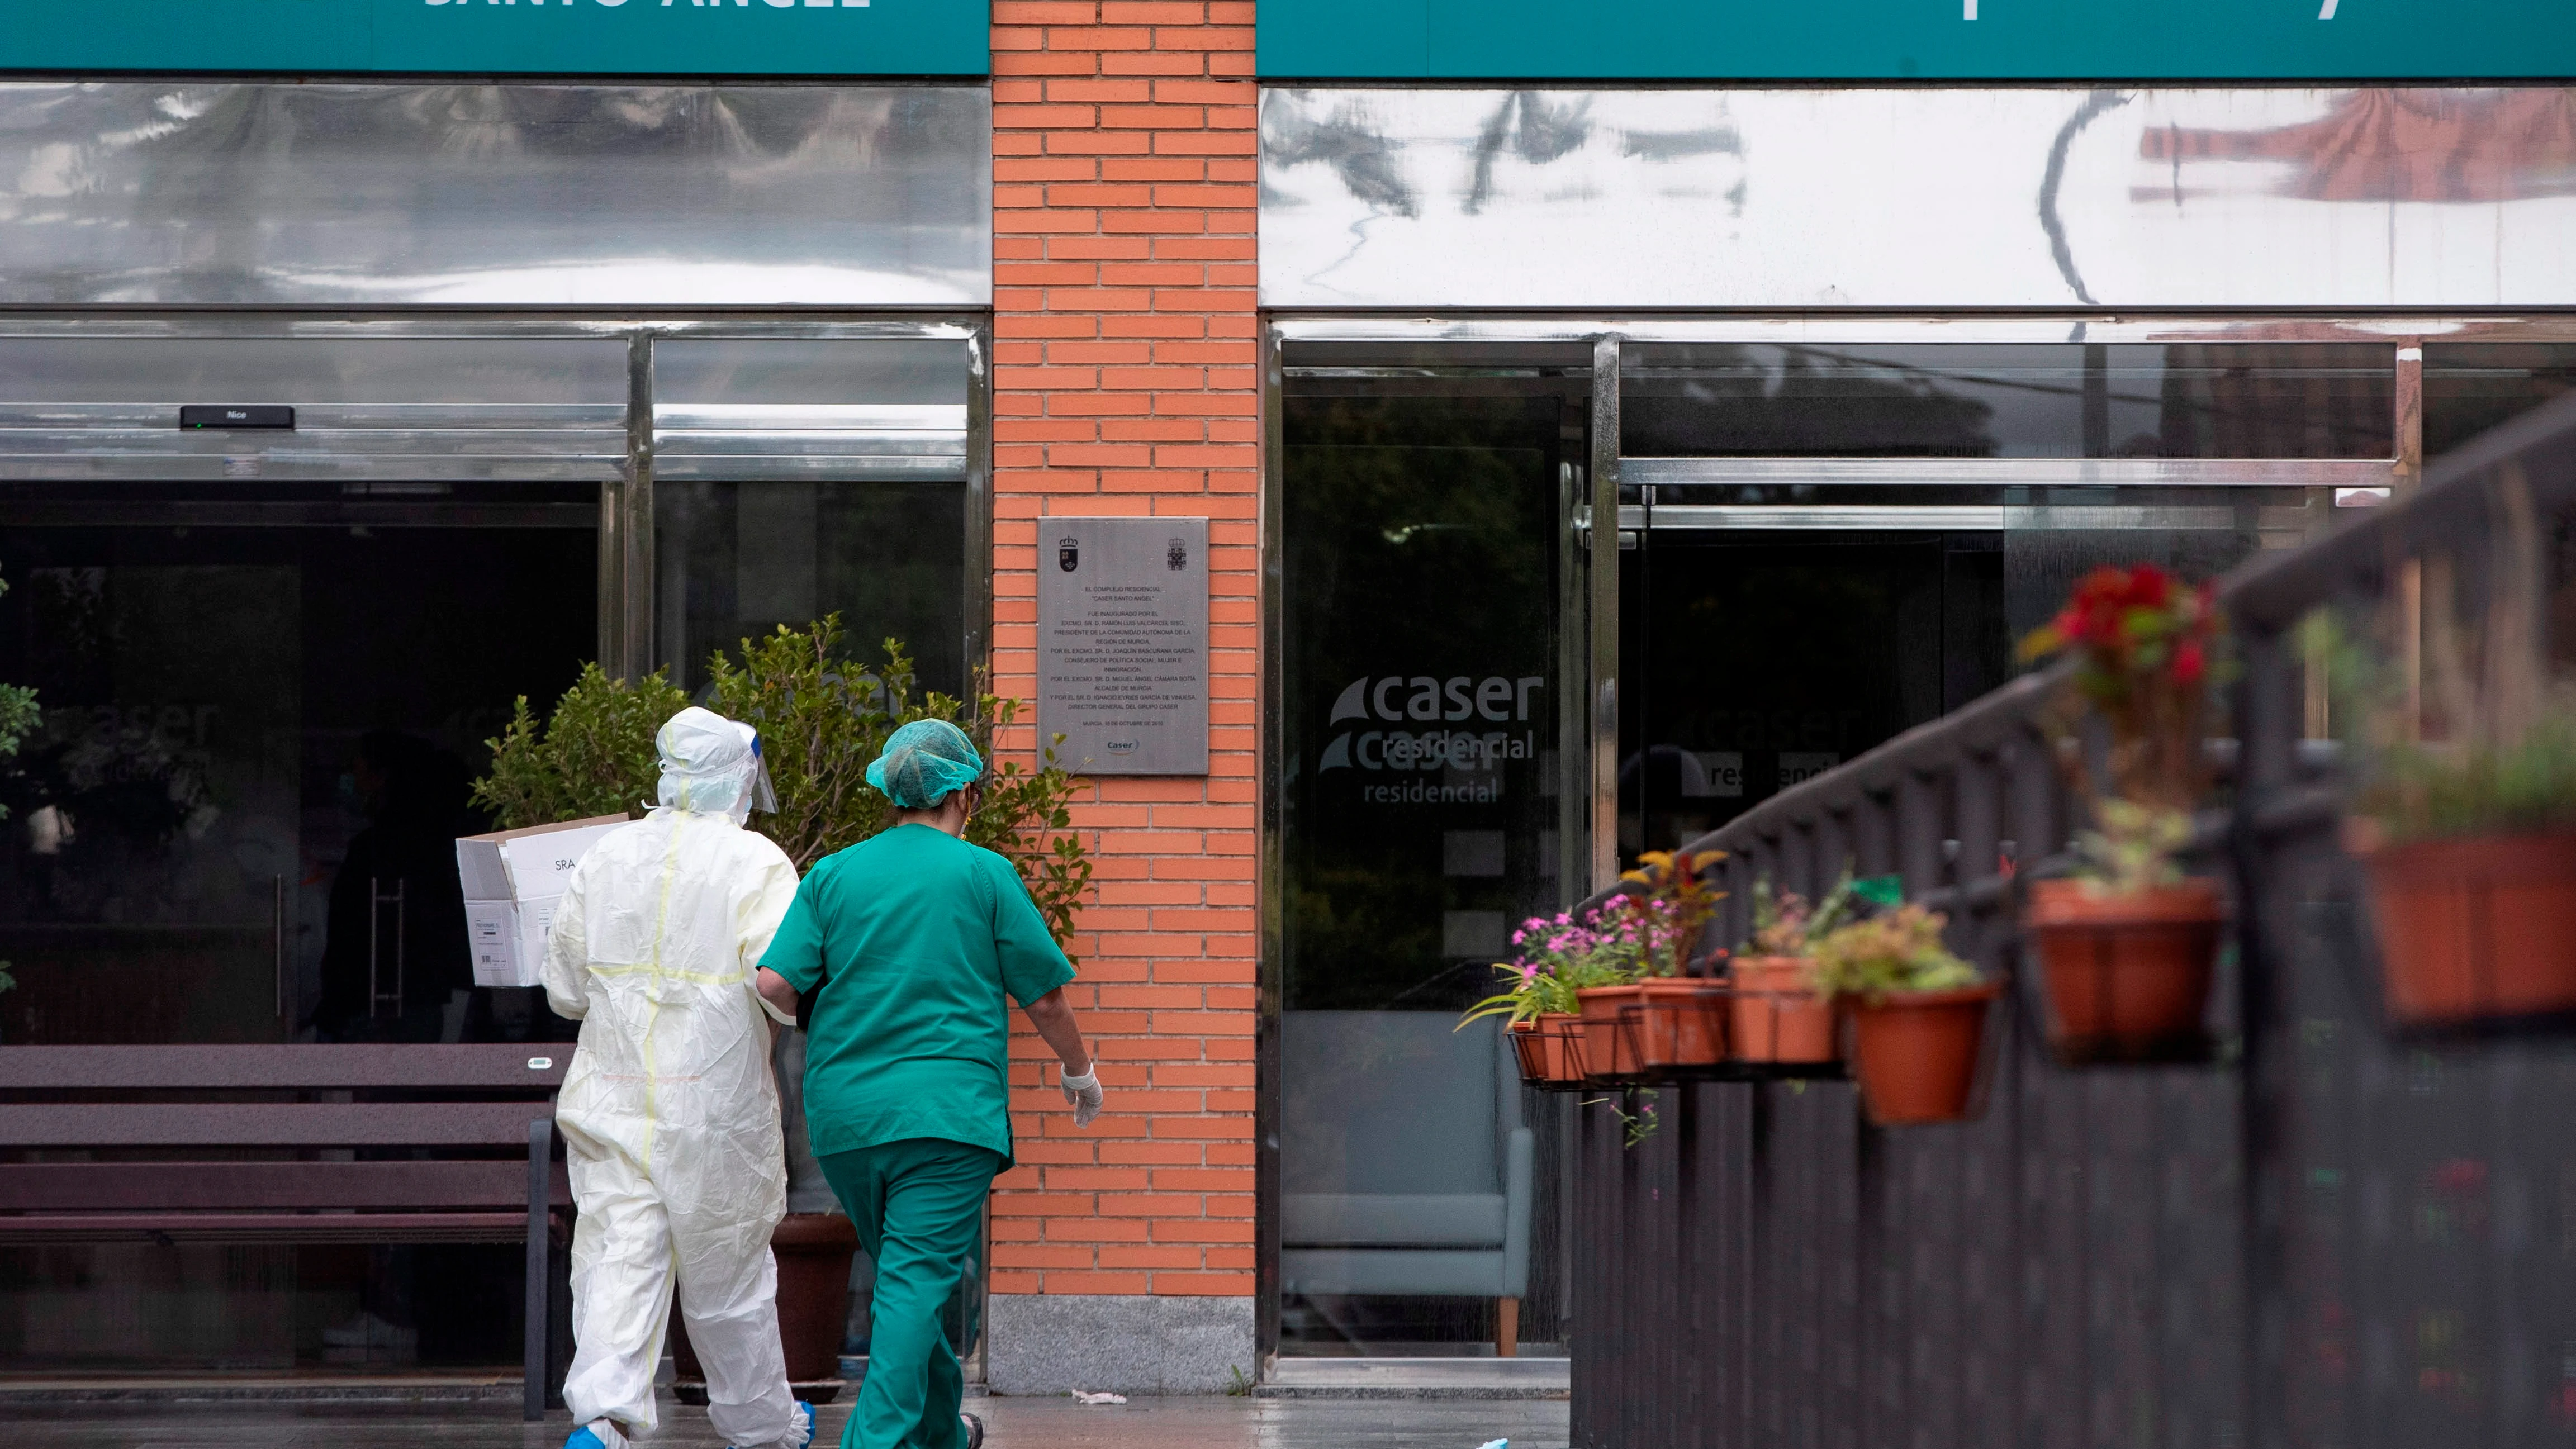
pixel 1123 644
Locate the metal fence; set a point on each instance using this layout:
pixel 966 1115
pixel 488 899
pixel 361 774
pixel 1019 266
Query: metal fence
pixel 2321 1232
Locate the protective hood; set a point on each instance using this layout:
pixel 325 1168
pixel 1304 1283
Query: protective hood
pixel 712 765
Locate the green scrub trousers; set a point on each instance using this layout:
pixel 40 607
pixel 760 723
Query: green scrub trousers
pixel 918 1204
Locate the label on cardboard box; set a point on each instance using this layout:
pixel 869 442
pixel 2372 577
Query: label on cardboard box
pixel 492 933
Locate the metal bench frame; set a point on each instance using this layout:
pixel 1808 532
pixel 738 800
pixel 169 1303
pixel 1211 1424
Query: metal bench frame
pixel 105 1097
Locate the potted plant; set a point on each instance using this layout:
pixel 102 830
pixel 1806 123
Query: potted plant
pixel 2128 942
pixel 1776 1012
pixel 1560 957
pixel 2465 822
pixel 1918 1014
pixel 1666 1016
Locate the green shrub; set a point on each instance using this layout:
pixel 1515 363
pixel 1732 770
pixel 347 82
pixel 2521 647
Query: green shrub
pixel 823 719
pixel 592 756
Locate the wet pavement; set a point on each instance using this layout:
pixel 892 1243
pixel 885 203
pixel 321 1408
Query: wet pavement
pixel 1142 1423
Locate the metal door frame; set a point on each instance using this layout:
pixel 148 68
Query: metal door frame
pixel 626 572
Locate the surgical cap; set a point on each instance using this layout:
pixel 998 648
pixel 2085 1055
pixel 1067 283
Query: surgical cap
pixel 924 762
pixel 712 764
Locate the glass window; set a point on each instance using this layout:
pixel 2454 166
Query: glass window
pixel 2054 400
pixel 236 823
pixel 1422 537
pixel 740 559
pixel 2471 387
pixel 805 477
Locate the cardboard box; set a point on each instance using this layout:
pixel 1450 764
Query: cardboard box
pixel 513 880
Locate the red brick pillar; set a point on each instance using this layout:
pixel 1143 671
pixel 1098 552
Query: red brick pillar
pixel 1125 382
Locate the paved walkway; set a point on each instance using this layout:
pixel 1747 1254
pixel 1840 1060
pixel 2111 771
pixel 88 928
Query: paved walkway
pixel 1213 1423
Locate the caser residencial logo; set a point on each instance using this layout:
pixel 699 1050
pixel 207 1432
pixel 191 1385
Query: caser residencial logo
pixel 1457 714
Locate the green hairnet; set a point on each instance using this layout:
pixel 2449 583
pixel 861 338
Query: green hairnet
pixel 924 762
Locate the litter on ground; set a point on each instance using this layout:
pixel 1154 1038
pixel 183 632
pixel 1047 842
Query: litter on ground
pixel 1083 1398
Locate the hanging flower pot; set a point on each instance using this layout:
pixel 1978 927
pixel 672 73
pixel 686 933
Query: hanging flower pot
pixel 1918 1014
pixel 1677 1022
pixel 2476 928
pixel 1549 1048
pixel 2127 971
pixel 1607 1050
pixel 1776 1014
pixel 1915 1052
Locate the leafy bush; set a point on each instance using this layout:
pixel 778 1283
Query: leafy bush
pixel 823 720
pixel 592 756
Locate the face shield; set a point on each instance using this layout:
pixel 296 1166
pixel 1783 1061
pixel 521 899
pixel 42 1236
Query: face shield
pixel 764 795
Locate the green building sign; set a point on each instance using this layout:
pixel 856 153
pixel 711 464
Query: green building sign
pixel 1928 40
pixel 499 37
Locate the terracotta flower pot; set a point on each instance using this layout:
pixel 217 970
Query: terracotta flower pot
pixel 1606 1050
pixel 1544 1047
pixel 1679 1022
pixel 813 1252
pixel 2127 974
pixel 2481 927
pixel 1778 1017
pixel 1915 1052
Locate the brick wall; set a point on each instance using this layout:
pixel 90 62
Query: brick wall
pixel 1125 382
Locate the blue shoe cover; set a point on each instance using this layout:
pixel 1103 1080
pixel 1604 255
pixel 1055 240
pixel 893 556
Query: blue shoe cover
pixel 582 1438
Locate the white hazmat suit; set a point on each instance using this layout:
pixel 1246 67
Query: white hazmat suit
pixel 669 1111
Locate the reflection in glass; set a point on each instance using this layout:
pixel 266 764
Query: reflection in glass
pixel 2470 387
pixel 1757 659
pixel 254 740
pixel 1762 659
pixel 740 559
pixel 1975 400
pixel 1420 537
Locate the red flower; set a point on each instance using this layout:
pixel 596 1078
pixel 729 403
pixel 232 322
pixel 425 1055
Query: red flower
pixel 2189 662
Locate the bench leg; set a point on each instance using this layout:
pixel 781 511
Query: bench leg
pixel 541 1142
pixel 1507 1327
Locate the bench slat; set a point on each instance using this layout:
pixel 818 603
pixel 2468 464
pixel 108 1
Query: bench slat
pixel 431 1065
pixel 202 1186
pixel 269 1124
pixel 266 1227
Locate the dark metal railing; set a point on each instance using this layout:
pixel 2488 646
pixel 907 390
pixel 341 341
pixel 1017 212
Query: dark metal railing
pixel 2319 1233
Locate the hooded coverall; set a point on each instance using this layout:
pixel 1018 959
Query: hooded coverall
pixel 669 1110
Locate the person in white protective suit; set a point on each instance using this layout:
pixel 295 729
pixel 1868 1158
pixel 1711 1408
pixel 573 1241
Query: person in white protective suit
pixel 669 1112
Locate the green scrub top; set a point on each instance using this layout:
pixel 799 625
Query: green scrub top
pixel 919 935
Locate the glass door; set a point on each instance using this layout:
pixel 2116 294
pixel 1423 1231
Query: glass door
pixel 1426 518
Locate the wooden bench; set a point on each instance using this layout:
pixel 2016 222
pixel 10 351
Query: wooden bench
pixel 452 1099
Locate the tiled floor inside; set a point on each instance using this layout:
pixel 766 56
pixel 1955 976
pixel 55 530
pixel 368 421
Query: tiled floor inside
pixel 1142 1423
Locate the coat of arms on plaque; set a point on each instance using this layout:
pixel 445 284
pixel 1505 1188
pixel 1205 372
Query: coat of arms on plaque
pixel 1068 554
pixel 1176 557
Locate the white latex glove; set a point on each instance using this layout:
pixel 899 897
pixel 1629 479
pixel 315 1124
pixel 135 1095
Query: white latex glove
pixel 1083 1092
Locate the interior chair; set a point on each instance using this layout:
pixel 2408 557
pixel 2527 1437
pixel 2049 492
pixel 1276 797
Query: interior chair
pixel 1405 1167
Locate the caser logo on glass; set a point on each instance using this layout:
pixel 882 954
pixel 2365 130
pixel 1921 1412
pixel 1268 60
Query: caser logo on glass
pixel 1463 700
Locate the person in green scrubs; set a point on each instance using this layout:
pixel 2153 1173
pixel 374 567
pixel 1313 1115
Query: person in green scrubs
pixel 914 938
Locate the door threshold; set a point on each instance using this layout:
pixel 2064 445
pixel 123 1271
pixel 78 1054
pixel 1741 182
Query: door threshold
pixel 1416 1378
